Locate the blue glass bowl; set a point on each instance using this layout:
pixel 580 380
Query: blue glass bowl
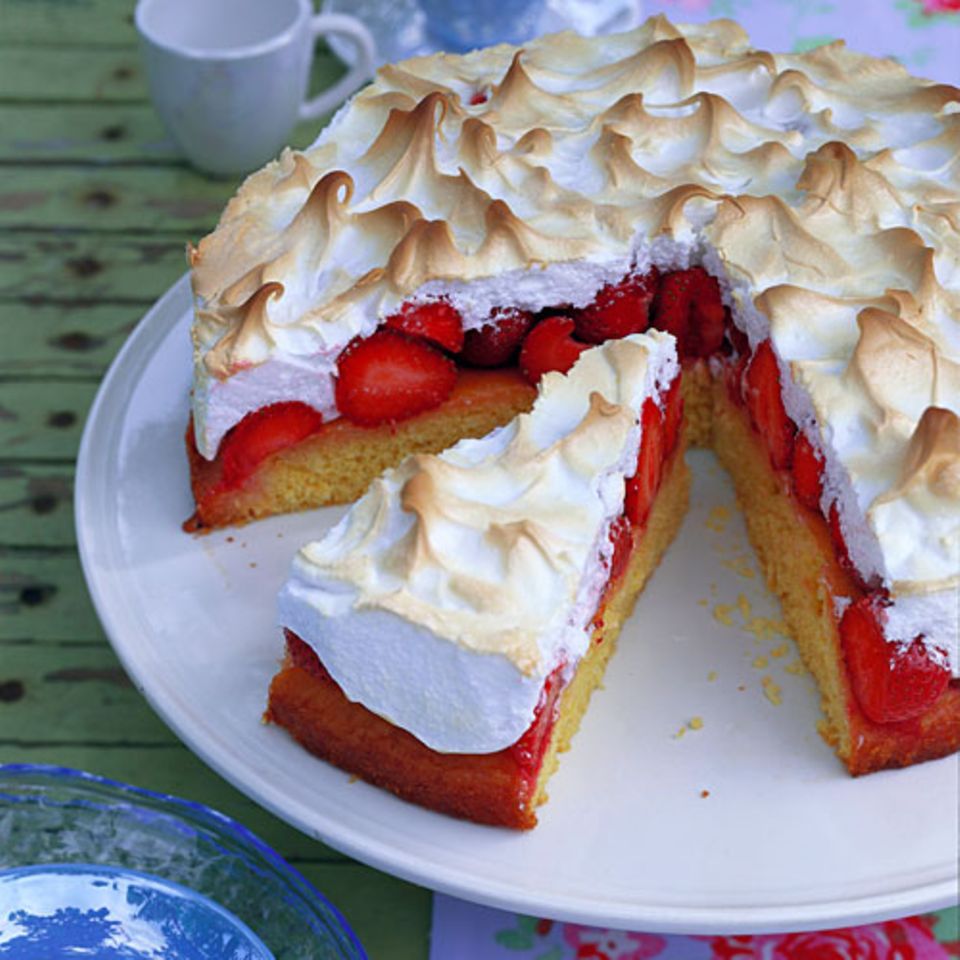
pixel 52 815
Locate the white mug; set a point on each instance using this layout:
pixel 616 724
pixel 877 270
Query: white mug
pixel 229 77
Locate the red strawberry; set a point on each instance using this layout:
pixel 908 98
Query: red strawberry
pixel 765 403
pixel 618 309
pixel 839 543
pixel 530 749
pixel 672 416
pixel 479 97
pixel 436 321
pixel 497 341
pixel 389 376
pixel 807 470
pixel 689 306
pixel 261 434
pixel 549 346
pixel 891 682
pixel 736 339
pixel 642 486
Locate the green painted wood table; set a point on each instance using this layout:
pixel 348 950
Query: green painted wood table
pixel 95 208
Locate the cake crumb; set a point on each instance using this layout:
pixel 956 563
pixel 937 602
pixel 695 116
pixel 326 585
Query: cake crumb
pixel 703 602
pixel 230 539
pixel 704 794
pixel 712 675
pixel 795 667
pixel 723 612
pixel 741 688
pixel 771 690
pixel 253 564
pixel 679 733
pixel 718 518
pixel 780 651
pixel 761 663
pixel 765 628
pixel 740 565
pixel 696 723
pixel 743 605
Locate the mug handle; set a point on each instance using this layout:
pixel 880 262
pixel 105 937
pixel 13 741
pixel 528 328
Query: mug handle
pixel 354 31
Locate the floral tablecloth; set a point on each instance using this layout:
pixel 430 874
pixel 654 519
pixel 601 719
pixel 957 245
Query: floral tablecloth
pixel 463 931
pixel 925 36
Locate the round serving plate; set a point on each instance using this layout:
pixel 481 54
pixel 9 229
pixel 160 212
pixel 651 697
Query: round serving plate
pixel 697 797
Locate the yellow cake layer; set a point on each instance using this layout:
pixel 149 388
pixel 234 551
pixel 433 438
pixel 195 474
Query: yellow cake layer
pixel 651 542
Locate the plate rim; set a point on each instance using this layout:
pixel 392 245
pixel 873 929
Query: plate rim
pixel 790 916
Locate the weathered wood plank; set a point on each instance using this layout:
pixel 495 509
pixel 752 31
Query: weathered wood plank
pixel 84 132
pixel 45 599
pixel 36 506
pixel 141 199
pixel 38 266
pixel 60 74
pixel 73 695
pixel 98 133
pixel 77 22
pixel 41 422
pixel 64 339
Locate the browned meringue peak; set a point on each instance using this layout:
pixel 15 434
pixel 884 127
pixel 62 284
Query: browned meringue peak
pixel 829 328
pixel 835 178
pixel 933 456
pixel 902 371
pixel 928 486
pixel 765 240
pixel 246 332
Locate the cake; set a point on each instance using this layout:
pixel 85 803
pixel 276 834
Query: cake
pixel 467 223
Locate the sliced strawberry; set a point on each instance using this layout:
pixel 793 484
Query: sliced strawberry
pixel 672 416
pixel 496 343
pixel 549 346
pixel 261 434
pixel 735 340
pixel 642 486
pixel 765 403
pixel 389 376
pixel 619 309
pixel 689 306
pixel 892 682
pixel 435 320
pixel 530 749
pixel 839 543
pixel 807 470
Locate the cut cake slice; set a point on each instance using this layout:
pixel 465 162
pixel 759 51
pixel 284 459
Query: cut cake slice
pixel 444 638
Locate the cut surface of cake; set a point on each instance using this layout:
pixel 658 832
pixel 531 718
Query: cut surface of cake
pixel 468 223
pixel 444 637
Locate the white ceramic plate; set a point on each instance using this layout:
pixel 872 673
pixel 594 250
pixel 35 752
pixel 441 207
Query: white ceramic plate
pixel 747 823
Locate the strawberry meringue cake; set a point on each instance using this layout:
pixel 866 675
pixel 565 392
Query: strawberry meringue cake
pixel 470 228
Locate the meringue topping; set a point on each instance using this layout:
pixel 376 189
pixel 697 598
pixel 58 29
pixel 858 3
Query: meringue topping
pixel 821 187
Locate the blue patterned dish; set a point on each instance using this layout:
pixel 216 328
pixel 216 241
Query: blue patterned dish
pixel 212 868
